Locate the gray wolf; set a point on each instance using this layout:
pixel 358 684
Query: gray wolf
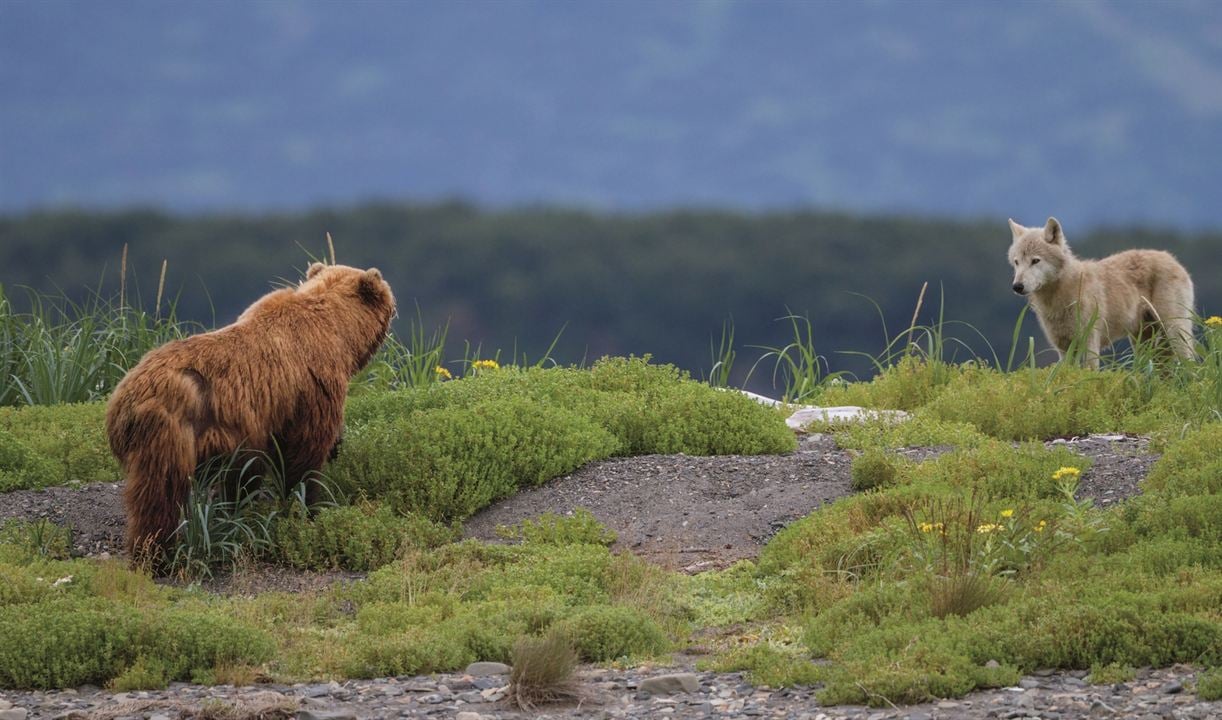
pixel 1135 293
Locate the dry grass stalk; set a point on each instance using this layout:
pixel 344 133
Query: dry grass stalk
pixel 916 312
pixel 543 672
pixel 160 288
pixel 123 278
pixel 331 248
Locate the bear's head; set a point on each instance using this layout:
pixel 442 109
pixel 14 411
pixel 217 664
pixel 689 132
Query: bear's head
pixel 363 293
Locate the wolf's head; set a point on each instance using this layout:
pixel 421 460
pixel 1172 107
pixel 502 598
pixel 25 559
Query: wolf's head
pixel 1037 255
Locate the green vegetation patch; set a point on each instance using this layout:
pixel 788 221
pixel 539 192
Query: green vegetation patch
pixel 449 450
pixel 55 445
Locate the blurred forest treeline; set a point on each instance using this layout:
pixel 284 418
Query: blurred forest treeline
pixel 660 283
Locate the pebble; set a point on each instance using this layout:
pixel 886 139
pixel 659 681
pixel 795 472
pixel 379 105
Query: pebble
pixel 636 695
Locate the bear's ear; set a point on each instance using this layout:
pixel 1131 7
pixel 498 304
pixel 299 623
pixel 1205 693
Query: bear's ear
pixel 314 269
pixel 1053 232
pixel 369 287
pixel 1015 229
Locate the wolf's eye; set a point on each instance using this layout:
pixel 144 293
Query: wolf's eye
pixel 1035 261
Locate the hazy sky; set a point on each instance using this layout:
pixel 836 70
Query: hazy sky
pixel 1097 112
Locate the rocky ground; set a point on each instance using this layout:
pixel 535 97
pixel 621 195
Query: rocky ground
pixel 690 513
pixel 1152 695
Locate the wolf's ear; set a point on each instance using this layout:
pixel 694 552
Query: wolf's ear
pixel 1053 232
pixel 1015 229
pixel 314 269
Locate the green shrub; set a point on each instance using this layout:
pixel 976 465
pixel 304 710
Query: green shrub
pixel 1060 401
pixel 446 464
pixel 144 674
pixel 769 665
pixel 355 537
pixel 413 652
pixel 873 469
pixel 66 643
pixel 579 573
pixel 384 618
pixel 1000 470
pixel 1192 466
pixel 920 430
pixel 21 468
pixel 37 539
pixel 18 585
pixel 606 632
pixel 579 528
pixel 1111 674
pixel 1193 516
pixel 906 385
pixel 192 642
pixel 69 440
pixel 1209 684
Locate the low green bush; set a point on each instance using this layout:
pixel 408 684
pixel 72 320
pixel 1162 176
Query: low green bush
pixel 37 539
pixel 873 469
pixel 1209 684
pixel 355 537
pixel 581 574
pixel 447 463
pixel 21 468
pixel 579 528
pixel 1192 466
pixel 768 665
pixel 67 443
pixel 66 642
pixel 1059 401
pixel 1000 470
pixel 413 652
pixel 189 643
pixel 607 632
pixel 144 674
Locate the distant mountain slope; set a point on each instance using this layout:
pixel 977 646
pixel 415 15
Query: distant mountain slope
pixel 1096 112
pixel 659 283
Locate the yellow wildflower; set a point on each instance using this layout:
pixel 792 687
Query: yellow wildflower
pixel 1007 513
pixel 485 365
pixel 988 528
pixel 1071 472
pixel 1213 321
pixel 1040 527
pixel 926 527
pixel 443 374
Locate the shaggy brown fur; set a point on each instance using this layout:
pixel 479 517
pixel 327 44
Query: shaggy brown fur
pixel 274 380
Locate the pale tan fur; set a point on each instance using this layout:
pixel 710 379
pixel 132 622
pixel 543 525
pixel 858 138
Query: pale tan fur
pixel 1131 293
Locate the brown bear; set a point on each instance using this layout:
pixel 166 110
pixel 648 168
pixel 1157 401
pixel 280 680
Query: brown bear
pixel 273 381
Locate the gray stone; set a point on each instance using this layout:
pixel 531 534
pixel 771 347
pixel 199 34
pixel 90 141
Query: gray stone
pixel 315 691
pixel 482 669
pixel 14 714
pixel 332 714
pixel 5 704
pixel 1173 687
pixel 468 716
pixel 1028 683
pixel 669 684
pixel 432 699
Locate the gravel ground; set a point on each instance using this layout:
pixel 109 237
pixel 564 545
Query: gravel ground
pixel 1152 695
